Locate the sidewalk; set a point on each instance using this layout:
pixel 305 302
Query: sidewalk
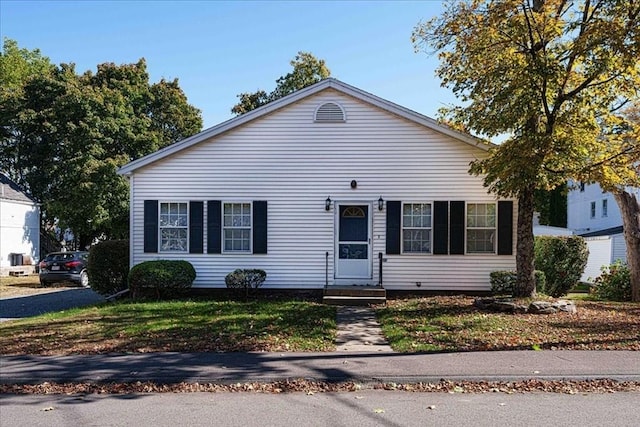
pixel 335 366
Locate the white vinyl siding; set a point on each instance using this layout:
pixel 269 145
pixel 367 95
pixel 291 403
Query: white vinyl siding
pixel 236 227
pixel 481 228
pixel 294 163
pixel 173 227
pixel 416 228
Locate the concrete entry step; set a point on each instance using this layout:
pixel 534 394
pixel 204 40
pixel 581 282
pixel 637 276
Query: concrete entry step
pixel 353 301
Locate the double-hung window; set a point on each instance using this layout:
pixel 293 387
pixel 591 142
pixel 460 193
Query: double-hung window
pixel 416 228
pixel 605 208
pixel 592 211
pixel 481 228
pixel 174 226
pixel 237 227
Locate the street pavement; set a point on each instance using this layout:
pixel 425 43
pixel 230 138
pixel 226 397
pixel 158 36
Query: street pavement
pixel 33 305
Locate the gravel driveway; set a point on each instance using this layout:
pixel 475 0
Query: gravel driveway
pixel 32 305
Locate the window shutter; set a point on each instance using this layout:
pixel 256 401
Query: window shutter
pixel 440 228
pixel 259 227
pixel 151 226
pixel 456 228
pixel 214 227
pixel 196 227
pixel 505 227
pixel 394 212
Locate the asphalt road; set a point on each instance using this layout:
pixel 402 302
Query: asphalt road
pixel 33 305
pixel 352 409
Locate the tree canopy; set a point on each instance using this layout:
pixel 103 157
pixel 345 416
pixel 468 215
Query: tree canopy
pixel 65 134
pixel 307 70
pixel 548 74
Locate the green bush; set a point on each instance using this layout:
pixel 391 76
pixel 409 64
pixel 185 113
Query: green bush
pixel 562 259
pixel 108 266
pixel 503 281
pixel 245 280
pixel 164 278
pixel 614 283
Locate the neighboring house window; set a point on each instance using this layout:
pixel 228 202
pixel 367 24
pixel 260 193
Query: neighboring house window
pixel 593 210
pixel 481 227
pixel 605 208
pixel 416 228
pixel 174 226
pixel 582 187
pixel 237 227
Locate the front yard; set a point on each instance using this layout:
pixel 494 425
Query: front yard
pixel 182 326
pixel 438 324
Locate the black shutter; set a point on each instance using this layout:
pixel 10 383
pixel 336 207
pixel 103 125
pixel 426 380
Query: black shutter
pixel 259 227
pixel 456 228
pixel 151 226
pixel 394 212
pixel 214 227
pixel 196 227
pixel 440 228
pixel 505 228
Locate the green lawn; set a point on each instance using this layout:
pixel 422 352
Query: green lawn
pixel 440 324
pixel 187 326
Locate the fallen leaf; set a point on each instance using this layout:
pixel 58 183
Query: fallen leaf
pixel 379 411
pixel 48 408
pixel 432 407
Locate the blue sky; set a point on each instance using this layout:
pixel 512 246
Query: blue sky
pixel 218 49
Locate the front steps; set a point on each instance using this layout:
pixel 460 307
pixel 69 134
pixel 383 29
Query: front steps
pixel 354 295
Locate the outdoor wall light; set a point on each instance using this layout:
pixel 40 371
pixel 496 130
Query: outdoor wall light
pixel 354 183
pixel 327 204
pixel 380 203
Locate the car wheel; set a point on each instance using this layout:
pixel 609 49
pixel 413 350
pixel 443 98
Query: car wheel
pixel 84 279
pixel 43 284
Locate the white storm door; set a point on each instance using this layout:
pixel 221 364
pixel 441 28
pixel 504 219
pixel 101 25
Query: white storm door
pixel 353 242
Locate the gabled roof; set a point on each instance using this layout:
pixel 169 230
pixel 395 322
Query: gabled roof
pixel 329 83
pixel 9 190
pixel 606 232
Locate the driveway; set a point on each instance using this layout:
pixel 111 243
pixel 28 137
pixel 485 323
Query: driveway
pixel 32 305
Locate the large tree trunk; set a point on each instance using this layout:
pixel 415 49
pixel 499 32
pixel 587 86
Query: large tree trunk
pixel 525 283
pixel 630 210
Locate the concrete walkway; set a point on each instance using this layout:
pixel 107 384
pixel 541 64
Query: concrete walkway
pixel 358 330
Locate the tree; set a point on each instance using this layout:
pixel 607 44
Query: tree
pixel 617 170
pixel 307 70
pixel 545 73
pixel 77 131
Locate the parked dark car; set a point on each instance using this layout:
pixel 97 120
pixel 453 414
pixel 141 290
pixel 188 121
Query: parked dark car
pixel 64 267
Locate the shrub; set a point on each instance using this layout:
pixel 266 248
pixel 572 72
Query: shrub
pixel 108 266
pixel 503 281
pixel 245 279
pixel 165 278
pixel 614 283
pixel 562 259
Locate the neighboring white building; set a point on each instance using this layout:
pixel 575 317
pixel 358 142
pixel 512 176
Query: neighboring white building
pixel 324 187
pixel 594 215
pixel 19 227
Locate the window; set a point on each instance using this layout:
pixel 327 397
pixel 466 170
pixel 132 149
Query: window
pixel 174 221
pixel 605 208
pixel 481 227
pixel 416 228
pixel 593 210
pixel 237 227
pixel 582 187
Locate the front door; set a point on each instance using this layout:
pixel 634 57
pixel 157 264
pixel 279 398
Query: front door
pixel 353 242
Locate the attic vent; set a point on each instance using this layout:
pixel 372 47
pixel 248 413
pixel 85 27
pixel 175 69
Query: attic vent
pixel 329 112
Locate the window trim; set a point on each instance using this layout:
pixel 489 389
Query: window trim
pixel 223 248
pixel 161 227
pixel 467 228
pixel 403 228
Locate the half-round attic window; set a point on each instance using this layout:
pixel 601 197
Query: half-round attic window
pixel 329 112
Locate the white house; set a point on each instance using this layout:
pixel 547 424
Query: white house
pixel 328 186
pixel 19 228
pixel 594 215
